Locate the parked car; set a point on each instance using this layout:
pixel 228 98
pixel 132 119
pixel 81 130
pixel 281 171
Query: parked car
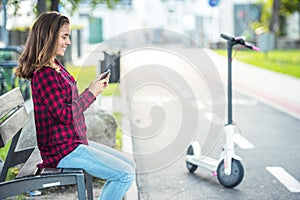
pixel 8 62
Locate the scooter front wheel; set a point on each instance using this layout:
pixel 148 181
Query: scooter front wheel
pixel 191 167
pixel 236 176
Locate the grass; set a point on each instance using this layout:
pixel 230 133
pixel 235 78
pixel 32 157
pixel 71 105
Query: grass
pixel 85 75
pixel 12 172
pixel 4 150
pixel 282 61
pixel 118 117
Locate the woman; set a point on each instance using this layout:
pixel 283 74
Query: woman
pixel 58 109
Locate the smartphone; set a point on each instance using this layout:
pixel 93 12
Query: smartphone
pixel 105 74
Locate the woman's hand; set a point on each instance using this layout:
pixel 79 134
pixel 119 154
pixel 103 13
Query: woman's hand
pixel 98 85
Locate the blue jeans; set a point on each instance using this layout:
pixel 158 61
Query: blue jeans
pixel 106 163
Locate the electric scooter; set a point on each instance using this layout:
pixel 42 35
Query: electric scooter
pixel 228 168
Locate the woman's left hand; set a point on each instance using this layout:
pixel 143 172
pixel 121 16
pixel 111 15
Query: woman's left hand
pixel 98 85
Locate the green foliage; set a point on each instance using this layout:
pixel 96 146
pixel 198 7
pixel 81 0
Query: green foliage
pixel 290 6
pixel 110 3
pixel 263 24
pixel 70 5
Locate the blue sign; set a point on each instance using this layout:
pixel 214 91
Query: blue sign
pixel 213 3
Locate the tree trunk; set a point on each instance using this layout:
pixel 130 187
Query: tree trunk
pixel 54 5
pixel 273 27
pixel 41 6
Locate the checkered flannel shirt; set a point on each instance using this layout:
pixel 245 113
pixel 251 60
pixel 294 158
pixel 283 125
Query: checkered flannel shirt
pixel 58 112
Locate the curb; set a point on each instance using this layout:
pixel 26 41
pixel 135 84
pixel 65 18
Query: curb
pixel 127 145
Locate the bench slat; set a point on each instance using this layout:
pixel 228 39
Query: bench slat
pixel 10 100
pixel 12 125
pixel 29 168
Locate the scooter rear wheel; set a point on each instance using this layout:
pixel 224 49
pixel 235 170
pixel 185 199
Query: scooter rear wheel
pixel 236 176
pixel 191 167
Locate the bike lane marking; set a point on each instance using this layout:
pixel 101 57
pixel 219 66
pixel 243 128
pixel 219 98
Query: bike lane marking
pixel 242 142
pixel 285 178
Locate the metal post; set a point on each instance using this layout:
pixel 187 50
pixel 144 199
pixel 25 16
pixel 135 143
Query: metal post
pixel 4 30
pixel 78 43
pixel 81 187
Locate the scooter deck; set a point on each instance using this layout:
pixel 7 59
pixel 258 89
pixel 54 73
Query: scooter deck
pixel 204 162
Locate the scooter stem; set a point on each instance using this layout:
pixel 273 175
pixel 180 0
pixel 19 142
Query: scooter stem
pixel 229 84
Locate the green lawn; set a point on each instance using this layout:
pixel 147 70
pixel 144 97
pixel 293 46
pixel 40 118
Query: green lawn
pixel 282 61
pixel 84 76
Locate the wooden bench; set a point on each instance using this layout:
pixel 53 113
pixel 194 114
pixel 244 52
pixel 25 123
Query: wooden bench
pixel 13 116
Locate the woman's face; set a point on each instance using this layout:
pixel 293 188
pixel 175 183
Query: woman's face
pixel 64 39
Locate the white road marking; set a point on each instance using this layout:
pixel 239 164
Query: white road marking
pixel 213 118
pixel 244 102
pixel 242 142
pixel 285 178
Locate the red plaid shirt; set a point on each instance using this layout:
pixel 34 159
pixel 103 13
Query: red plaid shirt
pixel 58 112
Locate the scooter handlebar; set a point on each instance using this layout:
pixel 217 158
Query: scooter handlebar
pixel 240 40
pixel 226 37
pixel 251 46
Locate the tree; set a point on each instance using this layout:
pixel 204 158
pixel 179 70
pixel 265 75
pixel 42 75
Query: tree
pixel 275 16
pixel 47 5
pixel 41 6
pixel 290 6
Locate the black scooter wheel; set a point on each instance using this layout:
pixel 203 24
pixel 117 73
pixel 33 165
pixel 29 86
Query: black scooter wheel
pixel 191 167
pixel 236 176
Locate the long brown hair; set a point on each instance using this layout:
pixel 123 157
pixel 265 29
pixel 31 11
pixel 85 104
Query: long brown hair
pixel 41 44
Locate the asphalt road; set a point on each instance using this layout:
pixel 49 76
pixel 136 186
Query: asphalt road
pixel 274 136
